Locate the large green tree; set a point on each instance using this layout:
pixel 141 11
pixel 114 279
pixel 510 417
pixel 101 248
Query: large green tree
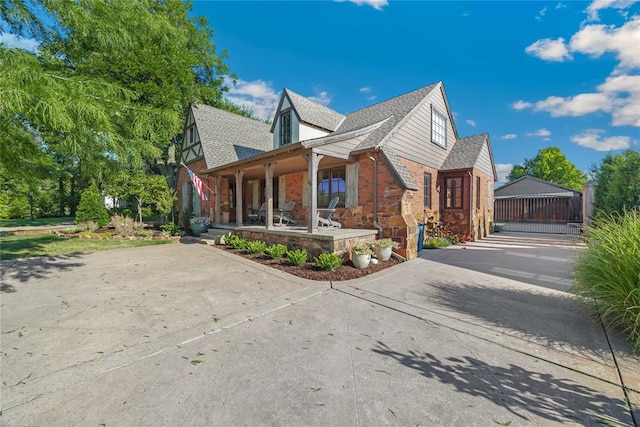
pixel 618 183
pixel 110 80
pixel 553 166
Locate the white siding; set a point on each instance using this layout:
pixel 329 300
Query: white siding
pixel 308 132
pixel 412 140
pixel 484 161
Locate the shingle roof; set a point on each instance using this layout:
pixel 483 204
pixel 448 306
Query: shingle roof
pixel 395 109
pixel 401 172
pixel 313 113
pixel 464 153
pixel 531 186
pixel 226 137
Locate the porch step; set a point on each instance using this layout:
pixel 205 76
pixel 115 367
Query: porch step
pixel 213 236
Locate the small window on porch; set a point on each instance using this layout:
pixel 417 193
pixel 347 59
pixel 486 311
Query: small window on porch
pixel 332 183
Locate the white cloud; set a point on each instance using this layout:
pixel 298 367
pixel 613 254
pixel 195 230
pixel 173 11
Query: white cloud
pixel 257 95
pixel 540 132
pixel 521 105
pixel 509 136
pixel 578 105
pixel 549 50
pixel 321 97
pixel 541 14
pixel 13 41
pixel 376 4
pixel 590 138
pixel 560 6
pixel 472 123
pixel 623 41
pixel 365 89
pixel 371 98
pixel 597 5
pixel 503 170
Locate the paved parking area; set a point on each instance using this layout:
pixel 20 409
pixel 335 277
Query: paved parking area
pixel 186 334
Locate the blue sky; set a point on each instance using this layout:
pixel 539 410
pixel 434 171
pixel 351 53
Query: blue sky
pixel 531 74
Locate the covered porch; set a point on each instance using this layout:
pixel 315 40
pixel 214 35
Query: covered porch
pixel 293 170
pixel 337 241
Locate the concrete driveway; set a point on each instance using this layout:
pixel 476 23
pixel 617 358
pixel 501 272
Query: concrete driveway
pixel 190 335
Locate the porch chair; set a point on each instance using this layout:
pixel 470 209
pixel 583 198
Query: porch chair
pixel 324 215
pixel 285 214
pixel 259 216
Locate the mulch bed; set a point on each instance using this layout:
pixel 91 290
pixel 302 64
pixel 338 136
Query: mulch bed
pixel 311 271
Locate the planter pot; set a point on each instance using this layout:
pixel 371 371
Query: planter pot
pixel 198 228
pixel 383 254
pixel 361 261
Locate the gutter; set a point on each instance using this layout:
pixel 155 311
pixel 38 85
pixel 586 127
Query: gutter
pixel 375 195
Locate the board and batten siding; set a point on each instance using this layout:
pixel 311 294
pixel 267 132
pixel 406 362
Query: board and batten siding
pixel 412 140
pixel 484 161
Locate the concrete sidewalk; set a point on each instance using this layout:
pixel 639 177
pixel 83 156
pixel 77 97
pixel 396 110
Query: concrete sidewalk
pixel 191 335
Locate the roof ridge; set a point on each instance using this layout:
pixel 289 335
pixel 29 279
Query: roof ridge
pixel 289 91
pixel 235 115
pixel 390 99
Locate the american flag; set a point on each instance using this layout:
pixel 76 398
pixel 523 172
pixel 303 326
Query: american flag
pixel 197 182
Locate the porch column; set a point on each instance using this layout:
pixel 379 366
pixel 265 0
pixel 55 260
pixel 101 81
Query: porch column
pixel 239 175
pixel 312 165
pixel 216 196
pixel 268 180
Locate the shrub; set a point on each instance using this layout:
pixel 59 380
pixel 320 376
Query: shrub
pixel 105 235
pixel 361 249
pixel 276 251
pixel 328 261
pixel 235 242
pixel 255 247
pixel 146 212
pixel 437 242
pixel 607 272
pixel 170 229
pixel 91 207
pixel 90 226
pixel 125 226
pixel 143 232
pixel 297 256
pixel 498 228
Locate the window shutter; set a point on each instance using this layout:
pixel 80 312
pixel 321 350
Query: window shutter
pixel 352 185
pixel 282 190
pixel 305 189
pixel 185 196
pixel 196 202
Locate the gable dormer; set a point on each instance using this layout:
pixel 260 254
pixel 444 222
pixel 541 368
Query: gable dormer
pixel 191 146
pixel 298 119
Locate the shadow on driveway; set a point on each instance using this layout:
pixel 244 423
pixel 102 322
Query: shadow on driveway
pixel 26 269
pixel 517 389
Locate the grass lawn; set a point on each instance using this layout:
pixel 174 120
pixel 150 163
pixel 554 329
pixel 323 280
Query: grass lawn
pixel 30 245
pixel 36 221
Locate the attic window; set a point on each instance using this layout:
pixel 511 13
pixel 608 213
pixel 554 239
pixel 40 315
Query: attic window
pixel 285 127
pixel 438 128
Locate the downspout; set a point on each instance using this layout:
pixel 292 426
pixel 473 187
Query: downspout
pixel 470 203
pixel 375 195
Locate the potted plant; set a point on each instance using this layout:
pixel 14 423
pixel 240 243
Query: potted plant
pixel 361 255
pixel 383 248
pixel 199 224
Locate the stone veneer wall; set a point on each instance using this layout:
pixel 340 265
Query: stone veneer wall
pixel 314 244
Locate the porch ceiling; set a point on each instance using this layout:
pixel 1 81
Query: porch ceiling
pixel 282 166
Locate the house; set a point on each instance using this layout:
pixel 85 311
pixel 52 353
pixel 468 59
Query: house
pixel 392 165
pixel 535 205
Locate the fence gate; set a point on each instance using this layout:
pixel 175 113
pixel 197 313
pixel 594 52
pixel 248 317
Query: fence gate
pixel 559 215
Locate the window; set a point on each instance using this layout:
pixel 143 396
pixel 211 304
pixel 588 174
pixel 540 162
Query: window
pixel 438 128
pixel 332 183
pixel 285 127
pixel 453 193
pixel 427 190
pixel 477 192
